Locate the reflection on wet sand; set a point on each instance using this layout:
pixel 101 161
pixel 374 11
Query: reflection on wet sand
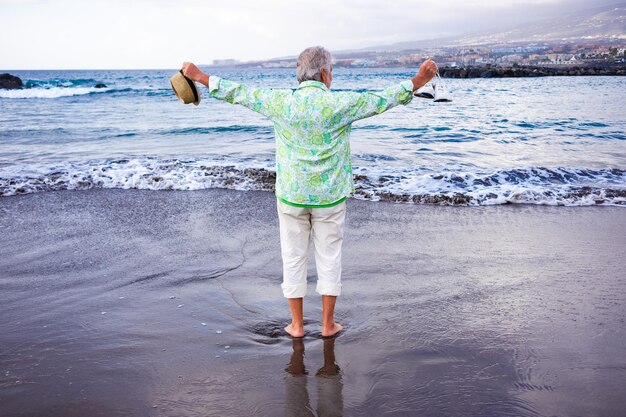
pixel 462 311
pixel 328 380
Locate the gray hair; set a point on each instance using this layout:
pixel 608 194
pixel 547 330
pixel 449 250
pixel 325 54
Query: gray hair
pixel 310 63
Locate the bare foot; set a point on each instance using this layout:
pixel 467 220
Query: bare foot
pixel 328 331
pixel 294 331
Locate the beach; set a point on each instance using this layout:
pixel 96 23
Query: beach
pixel 168 303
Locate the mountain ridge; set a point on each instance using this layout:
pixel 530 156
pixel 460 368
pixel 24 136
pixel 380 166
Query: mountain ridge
pixel 599 23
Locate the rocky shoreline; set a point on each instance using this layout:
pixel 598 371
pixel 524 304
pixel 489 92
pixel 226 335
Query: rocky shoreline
pixel 528 71
pixel 10 82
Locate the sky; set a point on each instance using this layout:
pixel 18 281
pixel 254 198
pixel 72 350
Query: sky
pixel 142 34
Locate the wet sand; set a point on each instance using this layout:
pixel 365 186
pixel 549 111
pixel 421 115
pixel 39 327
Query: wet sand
pixel 143 303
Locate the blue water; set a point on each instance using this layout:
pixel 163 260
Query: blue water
pixel 553 140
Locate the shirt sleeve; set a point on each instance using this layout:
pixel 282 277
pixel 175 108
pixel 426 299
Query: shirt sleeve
pixel 268 102
pixel 362 105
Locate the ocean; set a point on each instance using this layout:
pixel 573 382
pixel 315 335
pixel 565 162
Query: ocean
pixel 552 140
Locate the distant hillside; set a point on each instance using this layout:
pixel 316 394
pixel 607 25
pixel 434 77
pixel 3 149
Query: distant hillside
pixel 607 23
pixel 602 23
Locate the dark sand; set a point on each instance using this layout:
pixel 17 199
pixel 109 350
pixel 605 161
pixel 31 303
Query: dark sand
pixel 449 311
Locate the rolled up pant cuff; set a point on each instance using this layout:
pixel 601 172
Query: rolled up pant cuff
pixel 294 290
pixel 328 288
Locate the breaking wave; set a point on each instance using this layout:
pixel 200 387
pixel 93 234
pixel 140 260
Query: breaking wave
pixel 51 92
pixel 57 88
pixel 533 185
pixel 58 92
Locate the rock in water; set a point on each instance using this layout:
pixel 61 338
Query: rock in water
pixel 10 81
pixel 101 85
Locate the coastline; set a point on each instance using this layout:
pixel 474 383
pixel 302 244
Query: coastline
pixel 138 302
pixel 519 71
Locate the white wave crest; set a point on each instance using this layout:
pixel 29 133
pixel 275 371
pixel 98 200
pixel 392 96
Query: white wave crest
pixel 54 92
pixel 533 185
pixel 147 174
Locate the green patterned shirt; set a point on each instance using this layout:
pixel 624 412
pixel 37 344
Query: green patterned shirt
pixel 312 128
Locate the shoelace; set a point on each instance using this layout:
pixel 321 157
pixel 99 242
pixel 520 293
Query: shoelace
pixel 438 78
pixel 439 81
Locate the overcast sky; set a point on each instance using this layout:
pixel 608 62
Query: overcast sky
pixel 108 34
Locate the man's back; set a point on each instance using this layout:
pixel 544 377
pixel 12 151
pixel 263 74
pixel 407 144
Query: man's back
pixel 312 126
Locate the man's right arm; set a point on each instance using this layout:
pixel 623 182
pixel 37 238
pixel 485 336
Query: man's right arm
pixel 357 106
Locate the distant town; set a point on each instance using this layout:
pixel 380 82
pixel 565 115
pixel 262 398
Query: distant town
pixel 603 53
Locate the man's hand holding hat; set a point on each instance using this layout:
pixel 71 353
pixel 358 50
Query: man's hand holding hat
pixel 184 86
pixel 191 71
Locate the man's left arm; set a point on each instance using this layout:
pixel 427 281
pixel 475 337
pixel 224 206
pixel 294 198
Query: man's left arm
pixel 265 101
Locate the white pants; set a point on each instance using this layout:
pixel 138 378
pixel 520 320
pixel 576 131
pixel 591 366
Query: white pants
pixel 296 227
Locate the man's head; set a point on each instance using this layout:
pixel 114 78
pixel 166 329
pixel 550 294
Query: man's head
pixel 315 64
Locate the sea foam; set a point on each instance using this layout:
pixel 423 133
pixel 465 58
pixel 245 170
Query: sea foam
pixel 533 185
pixel 52 92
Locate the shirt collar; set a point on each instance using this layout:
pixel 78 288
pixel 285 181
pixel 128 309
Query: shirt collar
pixel 311 83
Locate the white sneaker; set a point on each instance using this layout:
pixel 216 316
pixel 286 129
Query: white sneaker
pixel 426 91
pixel 441 92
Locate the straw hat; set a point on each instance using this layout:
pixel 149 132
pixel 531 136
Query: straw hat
pixel 185 89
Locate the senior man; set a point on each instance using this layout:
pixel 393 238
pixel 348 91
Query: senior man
pixel 313 169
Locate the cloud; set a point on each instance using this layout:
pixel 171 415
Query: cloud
pixel 160 34
pixel 17 2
